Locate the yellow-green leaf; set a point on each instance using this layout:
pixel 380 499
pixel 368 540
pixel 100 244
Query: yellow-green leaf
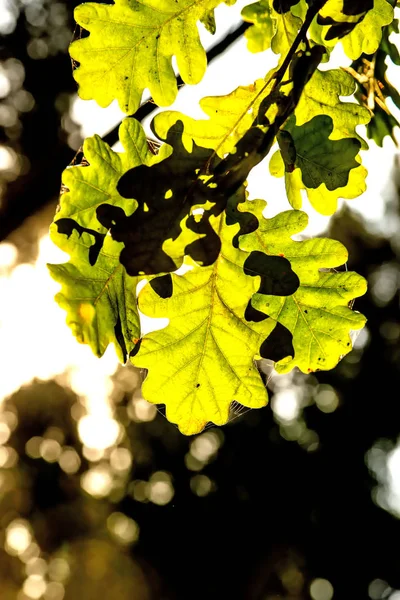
pixel 230 117
pixel 287 28
pixel 130 48
pixel 322 94
pixel 260 34
pixel 317 314
pixel 327 169
pixel 89 187
pixel 360 31
pixel 205 358
pixel 99 299
pixel 366 36
pixel 96 292
pixel 270 28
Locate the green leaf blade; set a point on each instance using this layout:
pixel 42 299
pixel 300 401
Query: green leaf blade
pixel 130 48
pixel 317 313
pixel 229 117
pixel 97 293
pixel 360 31
pixel 273 27
pixel 205 358
pixel 327 165
pixel 100 302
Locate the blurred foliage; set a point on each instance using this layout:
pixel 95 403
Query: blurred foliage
pixel 374 88
pixel 37 89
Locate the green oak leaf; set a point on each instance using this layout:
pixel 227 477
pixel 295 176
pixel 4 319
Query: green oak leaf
pixel 100 299
pixel 260 34
pixel 91 186
pixel 287 28
pixel 327 169
pixel 164 227
pixel 131 45
pixel 300 9
pixel 273 27
pixel 320 159
pixel 317 314
pixel 323 200
pixel 360 30
pixel 97 293
pixel 283 6
pixel 208 21
pixel 322 94
pixel 230 116
pixel 205 358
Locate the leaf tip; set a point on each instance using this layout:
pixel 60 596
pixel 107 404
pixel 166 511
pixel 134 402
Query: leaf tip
pixel 191 426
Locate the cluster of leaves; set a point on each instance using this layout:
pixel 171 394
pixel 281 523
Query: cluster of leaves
pixel 234 284
pixel 374 88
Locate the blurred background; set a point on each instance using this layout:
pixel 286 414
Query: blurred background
pixel 99 494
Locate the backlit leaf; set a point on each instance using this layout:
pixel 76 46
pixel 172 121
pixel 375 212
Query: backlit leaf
pixel 99 299
pixel 205 358
pixel 327 169
pixel 230 117
pixel 97 293
pixel 360 29
pixel 338 122
pixel 260 34
pixel 322 94
pixel 131 45
pixel 163 227
pixel 317 314
pixel 274 26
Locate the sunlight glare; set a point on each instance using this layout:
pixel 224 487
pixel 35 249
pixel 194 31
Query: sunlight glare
pixel 161 490
pixel 98 431
pixel 321 589
pixel 141 411
pixel 378 588
pixel 18 537
pixel 28 291
pixel 97 481
pixel 34 586
pixel 120 459
pixel 201 485
pixel 69 461
pixel 50 450
pixel 8 255
pixel 205 446
pixel 124 529
pixel 286 405
pixel 54 591
pixel 58 569
pixel 5 433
